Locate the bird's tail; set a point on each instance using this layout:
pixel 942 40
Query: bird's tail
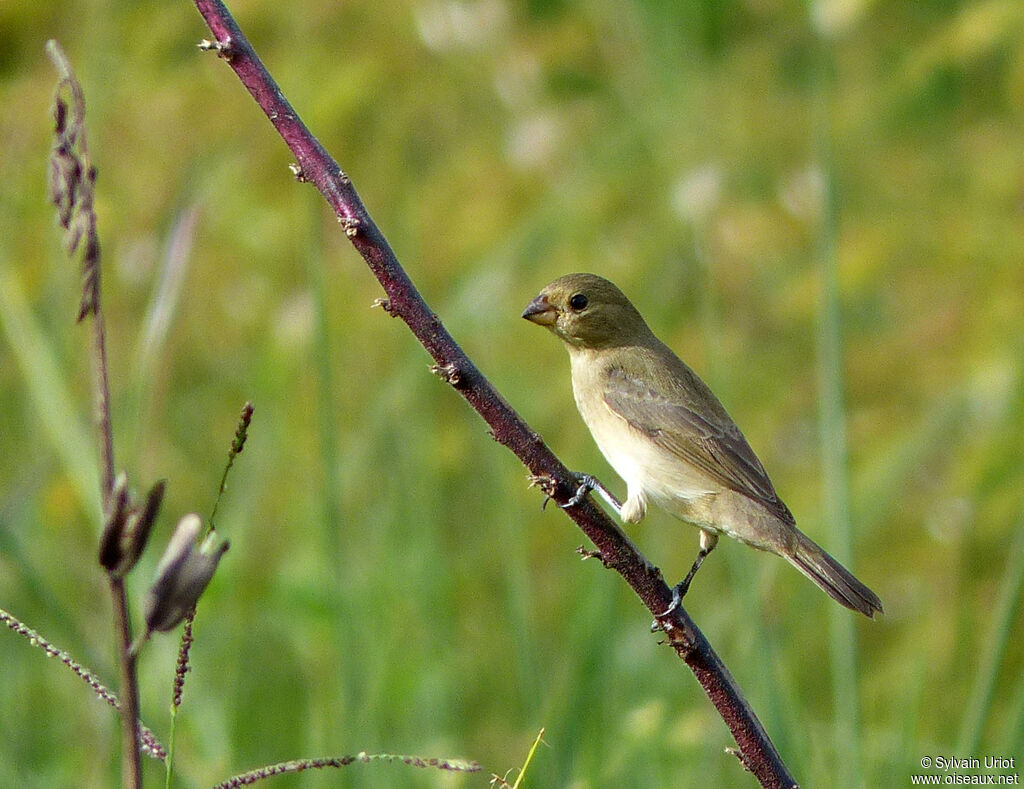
pixel 838 582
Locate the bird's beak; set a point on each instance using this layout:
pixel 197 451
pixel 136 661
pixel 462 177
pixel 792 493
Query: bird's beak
pixel 540 311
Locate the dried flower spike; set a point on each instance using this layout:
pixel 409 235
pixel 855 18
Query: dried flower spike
pixel 182 574
pixel 116 517
pixel 127 526
pixel 140 524
pixel 72 179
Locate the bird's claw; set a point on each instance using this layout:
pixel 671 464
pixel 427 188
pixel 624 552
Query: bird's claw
pixel 546 483
pixel 587 484
pixel 680 589
pixel 678 593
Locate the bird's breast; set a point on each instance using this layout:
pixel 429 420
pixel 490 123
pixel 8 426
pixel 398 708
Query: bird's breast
pixel 636 457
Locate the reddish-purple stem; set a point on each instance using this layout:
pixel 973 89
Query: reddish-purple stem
pixel 315 165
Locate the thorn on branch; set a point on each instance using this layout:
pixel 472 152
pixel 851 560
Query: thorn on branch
pixel 675 636
pixel 739 755
pixel 351 224
pixel 586 553
pixel 448 372
pixel 547 484
pixel 298 172
pixel 224 49
pixel 384 304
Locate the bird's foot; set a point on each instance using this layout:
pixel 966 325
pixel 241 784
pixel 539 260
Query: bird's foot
pixel 678 593
pixel 680 589
pixel 588 483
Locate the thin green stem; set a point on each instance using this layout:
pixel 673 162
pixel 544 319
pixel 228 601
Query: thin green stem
pixel 180 671
pixel 1004 610
pixel 832 431
pixel 169 772
pixel 529 758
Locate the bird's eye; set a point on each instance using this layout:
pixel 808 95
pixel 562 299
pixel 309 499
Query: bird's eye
pixel 578 301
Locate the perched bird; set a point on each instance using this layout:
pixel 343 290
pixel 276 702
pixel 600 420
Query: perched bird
pixel 668 437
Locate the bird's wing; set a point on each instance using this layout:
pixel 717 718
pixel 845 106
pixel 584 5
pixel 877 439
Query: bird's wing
pixel 691 424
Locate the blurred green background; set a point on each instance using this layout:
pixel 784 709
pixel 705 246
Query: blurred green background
pixel 819 205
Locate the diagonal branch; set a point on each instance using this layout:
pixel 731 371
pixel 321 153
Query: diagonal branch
pixel 315 165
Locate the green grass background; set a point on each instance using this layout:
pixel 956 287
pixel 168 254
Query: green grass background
pixel 820 206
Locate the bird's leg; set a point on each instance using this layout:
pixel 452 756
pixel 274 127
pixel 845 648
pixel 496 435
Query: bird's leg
pixel 708 541
pixel 588 483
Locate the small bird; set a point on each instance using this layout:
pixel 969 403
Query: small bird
pixel 670 439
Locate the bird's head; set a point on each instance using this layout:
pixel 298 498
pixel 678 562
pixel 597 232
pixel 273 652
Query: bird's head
pixel 587 311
